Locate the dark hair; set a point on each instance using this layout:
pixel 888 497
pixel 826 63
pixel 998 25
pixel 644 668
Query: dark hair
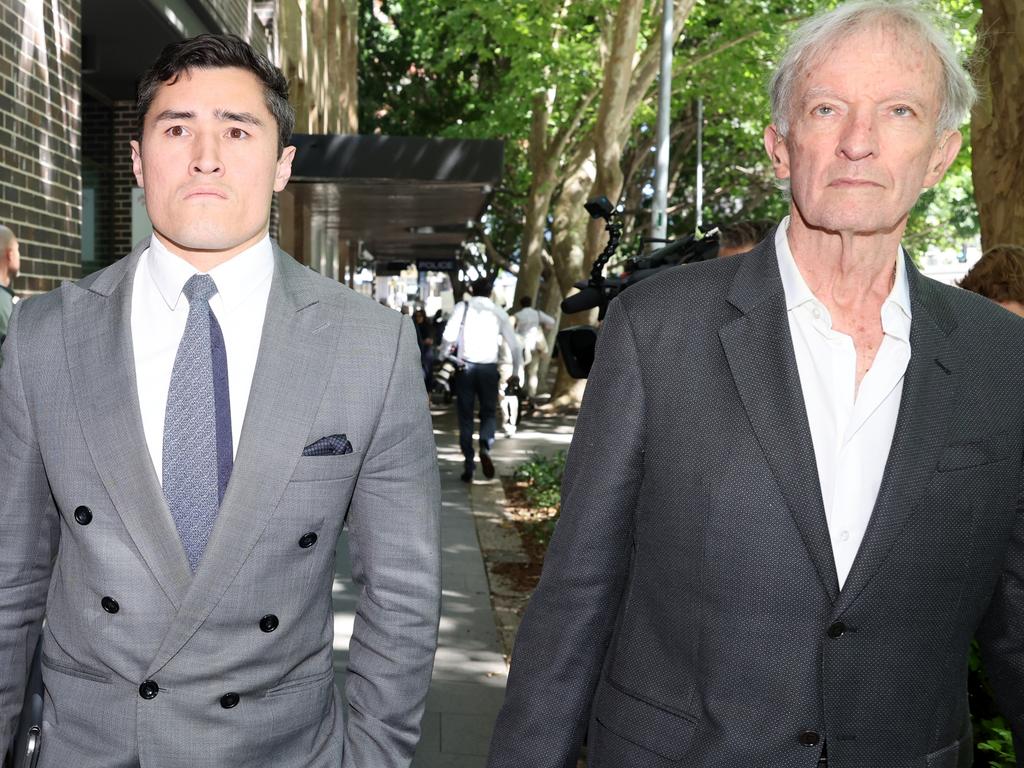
pixel 215 52
pixel 748 232
pixel 998 275
pixel 525 301
pixel 482 286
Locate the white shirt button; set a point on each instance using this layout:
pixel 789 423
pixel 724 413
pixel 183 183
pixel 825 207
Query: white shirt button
pixel 844 535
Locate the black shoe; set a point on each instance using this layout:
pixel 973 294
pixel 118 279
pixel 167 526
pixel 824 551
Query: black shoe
pixel 467 476
pixel 487 464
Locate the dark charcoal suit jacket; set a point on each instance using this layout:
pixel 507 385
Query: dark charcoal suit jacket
pixel 689 601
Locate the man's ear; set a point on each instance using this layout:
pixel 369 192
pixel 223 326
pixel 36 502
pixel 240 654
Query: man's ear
pixel 284 168
pixel 778 152
pixel 942 157
pixel 137 162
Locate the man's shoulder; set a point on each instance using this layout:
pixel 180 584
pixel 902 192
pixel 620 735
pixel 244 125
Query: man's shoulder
pixel 685 289
pixel 356 307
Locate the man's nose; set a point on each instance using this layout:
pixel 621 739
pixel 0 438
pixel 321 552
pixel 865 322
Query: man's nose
pixel 859 136
pixel 206 159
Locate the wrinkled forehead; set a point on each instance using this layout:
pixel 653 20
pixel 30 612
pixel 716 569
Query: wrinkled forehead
pixel 892 51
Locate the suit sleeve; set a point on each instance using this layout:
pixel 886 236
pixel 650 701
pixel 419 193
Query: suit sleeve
pixel 394 538
pixel 1001 634
pixel 28 537
pixel 564 635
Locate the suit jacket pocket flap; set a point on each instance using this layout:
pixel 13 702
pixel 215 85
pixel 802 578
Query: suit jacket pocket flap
pixel 959 754
pixel 974 453
pixel 647 725
pixel 313 468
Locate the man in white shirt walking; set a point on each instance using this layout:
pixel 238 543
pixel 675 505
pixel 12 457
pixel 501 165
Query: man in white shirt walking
pixel 473 335
pixel 532 327
pixel 795 490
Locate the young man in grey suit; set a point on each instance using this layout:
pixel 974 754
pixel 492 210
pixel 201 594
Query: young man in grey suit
pixel 786 513
pixel 182 436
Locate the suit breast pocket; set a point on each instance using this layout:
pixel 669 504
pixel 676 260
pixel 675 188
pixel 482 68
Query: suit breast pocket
pixel 966 454
pixel 311 469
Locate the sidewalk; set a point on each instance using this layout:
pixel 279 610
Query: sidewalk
pixel 469 670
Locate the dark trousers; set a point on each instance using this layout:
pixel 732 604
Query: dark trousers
pixel 477 381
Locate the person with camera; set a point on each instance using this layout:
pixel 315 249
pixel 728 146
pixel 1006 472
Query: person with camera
pixel 795 489
pixel 472 338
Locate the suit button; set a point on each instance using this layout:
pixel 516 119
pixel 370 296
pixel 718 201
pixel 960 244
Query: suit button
pixel 307 540
pixel 837 630
pixel 269 623
pixel 83 515
pixel 110 605
pixel 229 700
pixel 149 689
pixel 809 738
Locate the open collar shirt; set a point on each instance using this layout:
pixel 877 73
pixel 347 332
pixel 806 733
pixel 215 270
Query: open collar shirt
pixel 159 314
pixel 851 427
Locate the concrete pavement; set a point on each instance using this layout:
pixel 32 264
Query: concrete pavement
pixel 470 669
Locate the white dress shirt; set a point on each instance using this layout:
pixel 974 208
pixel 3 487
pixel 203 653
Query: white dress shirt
pixel 851 427
pixel 159 313
pixel 484 323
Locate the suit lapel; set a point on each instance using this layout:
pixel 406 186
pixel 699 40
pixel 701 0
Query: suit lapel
pixel 759 349
pixel 929 395
pixel 297 352
pixel 97 327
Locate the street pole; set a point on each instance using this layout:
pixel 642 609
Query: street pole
pixel 700 162
pixel 659 209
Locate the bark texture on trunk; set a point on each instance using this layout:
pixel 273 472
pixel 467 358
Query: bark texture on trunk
pixel 997 125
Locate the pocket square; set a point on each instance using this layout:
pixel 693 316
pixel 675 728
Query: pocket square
pixel 332 445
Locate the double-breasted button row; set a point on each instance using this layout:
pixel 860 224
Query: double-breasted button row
pixel 230 700
pixel 809 738
pixel 307 540
pixel 269 623
pixel 836 630
pixel 110 605
pixel 149 689
pixel 83 515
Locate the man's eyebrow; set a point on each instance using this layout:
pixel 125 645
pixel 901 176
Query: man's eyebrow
pixel 174 114
pixel 238 117
pixel 819 92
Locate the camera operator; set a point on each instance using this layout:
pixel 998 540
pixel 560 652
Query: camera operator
pixel 472 336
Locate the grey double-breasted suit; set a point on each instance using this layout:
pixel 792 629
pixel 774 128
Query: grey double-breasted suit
pixel 147 665
pixel 689 601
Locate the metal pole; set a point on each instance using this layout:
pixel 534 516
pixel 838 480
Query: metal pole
pixel 700 162
pixel 659 217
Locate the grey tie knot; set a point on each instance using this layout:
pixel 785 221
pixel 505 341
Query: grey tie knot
pixel 199 287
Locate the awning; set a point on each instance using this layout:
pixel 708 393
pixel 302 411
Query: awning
pixel 405 198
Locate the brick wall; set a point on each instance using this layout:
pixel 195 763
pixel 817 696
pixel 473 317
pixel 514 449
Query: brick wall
pixel 40 165
pixel 124 180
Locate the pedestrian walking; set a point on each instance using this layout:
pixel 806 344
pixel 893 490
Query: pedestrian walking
pixel 472 336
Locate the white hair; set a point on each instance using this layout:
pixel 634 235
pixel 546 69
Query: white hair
pixel 821 32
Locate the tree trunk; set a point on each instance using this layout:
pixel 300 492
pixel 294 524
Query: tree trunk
pixel 569 252
pixel 538 200
pixel 997 125
pixel 608 134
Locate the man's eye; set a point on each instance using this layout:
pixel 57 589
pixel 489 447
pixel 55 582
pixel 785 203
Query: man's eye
pixel 176 130
pixel 237 133
pixel 824 110
pixel 902 111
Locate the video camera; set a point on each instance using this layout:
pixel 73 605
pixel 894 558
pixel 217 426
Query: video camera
pixel 576 344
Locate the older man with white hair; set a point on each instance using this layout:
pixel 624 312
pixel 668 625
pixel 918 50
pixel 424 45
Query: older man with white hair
pixel 784 520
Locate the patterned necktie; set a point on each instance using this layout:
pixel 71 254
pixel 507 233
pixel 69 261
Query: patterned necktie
pixel 197 452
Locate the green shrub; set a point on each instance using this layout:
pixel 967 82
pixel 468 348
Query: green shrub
pixel 993 742
pixel 543 478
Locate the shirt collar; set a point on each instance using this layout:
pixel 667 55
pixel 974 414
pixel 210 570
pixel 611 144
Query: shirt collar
pixel 798 293
pixel 8 288
pixel 236 278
